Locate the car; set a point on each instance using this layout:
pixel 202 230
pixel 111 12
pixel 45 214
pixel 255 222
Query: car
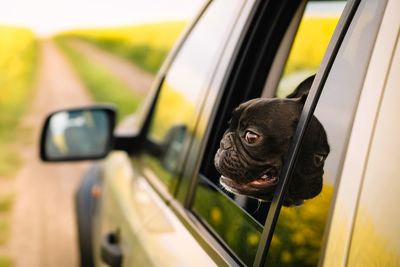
pixel 155 200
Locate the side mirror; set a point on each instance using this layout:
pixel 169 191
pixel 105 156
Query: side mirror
pixel 78 134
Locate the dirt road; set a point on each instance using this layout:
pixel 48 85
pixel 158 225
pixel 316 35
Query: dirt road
pixel 120 68
pixel 43 224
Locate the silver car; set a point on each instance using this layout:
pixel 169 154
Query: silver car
pixel 155 199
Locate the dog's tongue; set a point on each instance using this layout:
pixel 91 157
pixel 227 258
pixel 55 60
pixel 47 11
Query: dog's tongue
pixel 265 180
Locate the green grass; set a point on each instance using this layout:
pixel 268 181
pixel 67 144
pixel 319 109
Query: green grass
pixel 6 203
pixel 10 161
pixel 102 85
pixel 5 261
pixel 4 230
pixel 146 45
pixel 145 56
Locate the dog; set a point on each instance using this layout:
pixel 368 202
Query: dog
pixel 253 149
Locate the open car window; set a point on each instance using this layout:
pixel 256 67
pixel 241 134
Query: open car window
pixel 238 220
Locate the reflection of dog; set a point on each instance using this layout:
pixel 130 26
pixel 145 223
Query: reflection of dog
pixel 252 150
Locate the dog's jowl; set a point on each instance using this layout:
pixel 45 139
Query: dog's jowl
pixel 253 148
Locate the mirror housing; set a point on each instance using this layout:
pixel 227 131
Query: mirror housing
pixel 78 134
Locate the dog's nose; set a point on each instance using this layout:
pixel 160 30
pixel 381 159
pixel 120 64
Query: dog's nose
pixel 225 143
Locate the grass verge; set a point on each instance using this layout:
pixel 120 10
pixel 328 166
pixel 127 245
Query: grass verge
pixel 5 261
pixel 6 203
pixel 102 85
pixel 145 45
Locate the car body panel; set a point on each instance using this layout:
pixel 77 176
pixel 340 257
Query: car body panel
pixel 375 236
pixel 150 234
pixel 345 206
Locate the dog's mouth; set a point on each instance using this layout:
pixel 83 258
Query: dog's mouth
pixel 260 187
pixel 264 181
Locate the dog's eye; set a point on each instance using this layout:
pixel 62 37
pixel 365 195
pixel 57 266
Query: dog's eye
pixel 319 159
pixel 251 137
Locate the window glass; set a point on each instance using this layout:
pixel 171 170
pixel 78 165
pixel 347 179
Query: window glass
pixel 223 214
pixel 184 90
pixel 299 231
pixel 376 235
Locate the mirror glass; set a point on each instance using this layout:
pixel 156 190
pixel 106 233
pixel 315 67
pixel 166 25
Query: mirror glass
pixel 77 134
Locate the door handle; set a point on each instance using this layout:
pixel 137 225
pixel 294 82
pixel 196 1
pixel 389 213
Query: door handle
pixel 111 252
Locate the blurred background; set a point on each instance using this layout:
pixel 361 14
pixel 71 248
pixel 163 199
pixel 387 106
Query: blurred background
pixel 57 54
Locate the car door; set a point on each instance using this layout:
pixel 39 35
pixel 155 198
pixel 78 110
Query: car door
pixel 137 226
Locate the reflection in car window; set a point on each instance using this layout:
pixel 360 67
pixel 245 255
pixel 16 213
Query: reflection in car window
pixel 184 89
pixel 299 231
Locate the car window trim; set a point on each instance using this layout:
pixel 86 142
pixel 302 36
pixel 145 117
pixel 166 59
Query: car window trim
pixel 156 89
pixel 166 192
pixel 158 82
pixel 308 110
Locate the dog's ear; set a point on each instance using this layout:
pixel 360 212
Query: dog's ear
pixel 301 91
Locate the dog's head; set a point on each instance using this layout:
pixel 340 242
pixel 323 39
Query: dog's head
pixel 252 151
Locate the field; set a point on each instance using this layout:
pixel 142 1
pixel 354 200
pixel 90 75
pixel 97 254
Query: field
pixel 18 60
pixel 147 45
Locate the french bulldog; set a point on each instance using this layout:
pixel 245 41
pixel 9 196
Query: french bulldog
pixel 253 149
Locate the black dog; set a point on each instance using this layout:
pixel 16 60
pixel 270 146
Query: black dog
pixel 252 150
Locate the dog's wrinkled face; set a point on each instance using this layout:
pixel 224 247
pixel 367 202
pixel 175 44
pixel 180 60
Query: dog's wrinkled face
pixel 252 151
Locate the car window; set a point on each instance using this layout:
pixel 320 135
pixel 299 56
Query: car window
pixel 222 208
pixel 299 232
pixel 376 238
pixel 184 90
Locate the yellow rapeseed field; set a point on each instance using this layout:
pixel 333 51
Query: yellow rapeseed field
pixel 18 57
pixel 160 35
